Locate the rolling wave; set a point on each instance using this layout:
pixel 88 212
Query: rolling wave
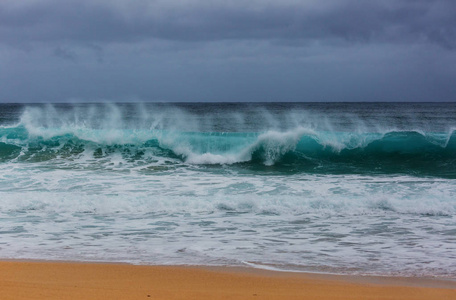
pixel 299 149
pixel 366 185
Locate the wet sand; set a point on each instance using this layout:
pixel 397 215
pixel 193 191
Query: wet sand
pixel 68 280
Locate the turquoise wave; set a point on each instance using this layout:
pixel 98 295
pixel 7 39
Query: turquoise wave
pixel 296 150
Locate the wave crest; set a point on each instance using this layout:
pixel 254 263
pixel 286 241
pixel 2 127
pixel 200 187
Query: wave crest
pixel 106 134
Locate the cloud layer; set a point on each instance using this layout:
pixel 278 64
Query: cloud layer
pixel 257 50
pixel 393 21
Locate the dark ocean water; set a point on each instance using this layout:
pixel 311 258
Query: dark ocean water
pixel 334 187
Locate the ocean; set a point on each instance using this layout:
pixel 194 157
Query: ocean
pixel 343 188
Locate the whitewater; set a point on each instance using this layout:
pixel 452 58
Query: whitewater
pixel 346 188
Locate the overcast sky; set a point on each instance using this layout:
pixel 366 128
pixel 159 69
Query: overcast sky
pixel 231 50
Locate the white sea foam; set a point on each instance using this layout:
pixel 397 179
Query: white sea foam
pixel 391 225
pixel 164 187
pixel 177 130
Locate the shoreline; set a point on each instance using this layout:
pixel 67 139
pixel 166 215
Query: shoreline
pixel 400 280
pixel 38 279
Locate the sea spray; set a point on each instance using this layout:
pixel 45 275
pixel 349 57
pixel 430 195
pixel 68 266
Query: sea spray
pixel 52 133
pixel 359 188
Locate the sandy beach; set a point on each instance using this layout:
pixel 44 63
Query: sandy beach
pixel 65 280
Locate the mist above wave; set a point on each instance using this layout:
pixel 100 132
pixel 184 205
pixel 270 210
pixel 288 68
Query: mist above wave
pixel 337 187
pixel 289 139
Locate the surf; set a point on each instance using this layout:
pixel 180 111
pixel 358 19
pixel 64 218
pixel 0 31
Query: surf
pixel 299 149
pixel 273 184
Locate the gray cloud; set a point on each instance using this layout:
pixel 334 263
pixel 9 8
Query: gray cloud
pixel 64 53
pixel 256 50
pixel 85 21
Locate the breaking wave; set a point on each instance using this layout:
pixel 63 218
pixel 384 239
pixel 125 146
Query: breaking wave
pixel 298 149
pixel 346 188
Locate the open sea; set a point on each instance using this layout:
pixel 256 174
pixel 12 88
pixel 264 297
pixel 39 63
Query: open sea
pixel 345 188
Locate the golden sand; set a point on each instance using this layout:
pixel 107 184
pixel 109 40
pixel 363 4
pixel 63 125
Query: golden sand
pixel 55 280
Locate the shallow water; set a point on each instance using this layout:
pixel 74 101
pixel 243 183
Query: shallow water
pixel 342 188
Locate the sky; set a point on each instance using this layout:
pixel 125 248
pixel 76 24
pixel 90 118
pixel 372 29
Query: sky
pixel 231 50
